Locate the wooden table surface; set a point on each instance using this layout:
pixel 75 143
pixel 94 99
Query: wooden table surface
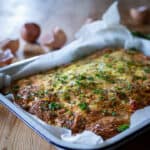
pixel 69 15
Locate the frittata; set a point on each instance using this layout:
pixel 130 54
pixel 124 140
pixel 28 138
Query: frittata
pixel 97 93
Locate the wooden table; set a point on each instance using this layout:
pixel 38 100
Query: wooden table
pixel 69 15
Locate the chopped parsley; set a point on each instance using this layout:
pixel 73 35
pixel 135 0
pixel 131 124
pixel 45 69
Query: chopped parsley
pixel 139 34
pixel 112 98
pixel 81 96
pixel 113 113
pixel 54 106
pixel 122 127
pixel 81 77
pixel 98 91
pixel 140 78
pixel 144 78
pixel 102 75
pixel 147 69
pixel 101 97
pixel 109 65
pixel 118 88
pixel 105 112
pixel 66 96
pixel 83 106
pixel 130 63
pixel 129 86
pixel 90 78
pixel 15 88
pixel 18 97
pixel 41 93
pixel 62 79
pixel 79 83
pixel 106 55
pixel 121 70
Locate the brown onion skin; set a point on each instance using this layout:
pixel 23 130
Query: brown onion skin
pixel 54 40
pixel 30 32
pixel 13 45
pixel 6 58
pixel 140 15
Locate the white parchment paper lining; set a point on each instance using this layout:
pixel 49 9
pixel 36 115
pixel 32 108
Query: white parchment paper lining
pixel 107 32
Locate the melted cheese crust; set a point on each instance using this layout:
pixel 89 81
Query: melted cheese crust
pixel 97 93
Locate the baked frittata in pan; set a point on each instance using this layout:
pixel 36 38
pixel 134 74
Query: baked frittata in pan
pixel 97 93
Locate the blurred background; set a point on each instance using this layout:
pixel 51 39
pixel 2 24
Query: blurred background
pixel 67 14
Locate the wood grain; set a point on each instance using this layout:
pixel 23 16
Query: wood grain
pixel 15 135
pixel 70 15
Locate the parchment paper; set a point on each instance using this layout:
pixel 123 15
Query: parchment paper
pixel 98 35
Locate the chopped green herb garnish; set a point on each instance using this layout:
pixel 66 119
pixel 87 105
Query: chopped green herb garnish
pixel 66 96
pixel 79 83
pixel 122 127
pixel 140 78
pixel 40 93
pixel 64 77
pixel 112 98
pixel 118 88
pixel 54 106
pixel 15 88
pixel 130 63
pixel 122 95
pixel 101 97
pixel 83 106
pixel 144 78
pixel 18 96
pixel 55 84
pixel 69 112
pixel 139 34
pixel 98 91
pixel 147 69
pixel 90 78
pixel 106 55
pixel 81 95
pixel 113 113
pixel 62 80
pixel 81 77
pixel 129 86
pixel 104 76
pixel 109 65
pixel 121 70
pixel 105 112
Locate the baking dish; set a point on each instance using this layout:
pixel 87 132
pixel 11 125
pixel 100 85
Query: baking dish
pixel 42 130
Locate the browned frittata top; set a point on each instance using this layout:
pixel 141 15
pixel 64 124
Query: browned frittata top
pixel 96 93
